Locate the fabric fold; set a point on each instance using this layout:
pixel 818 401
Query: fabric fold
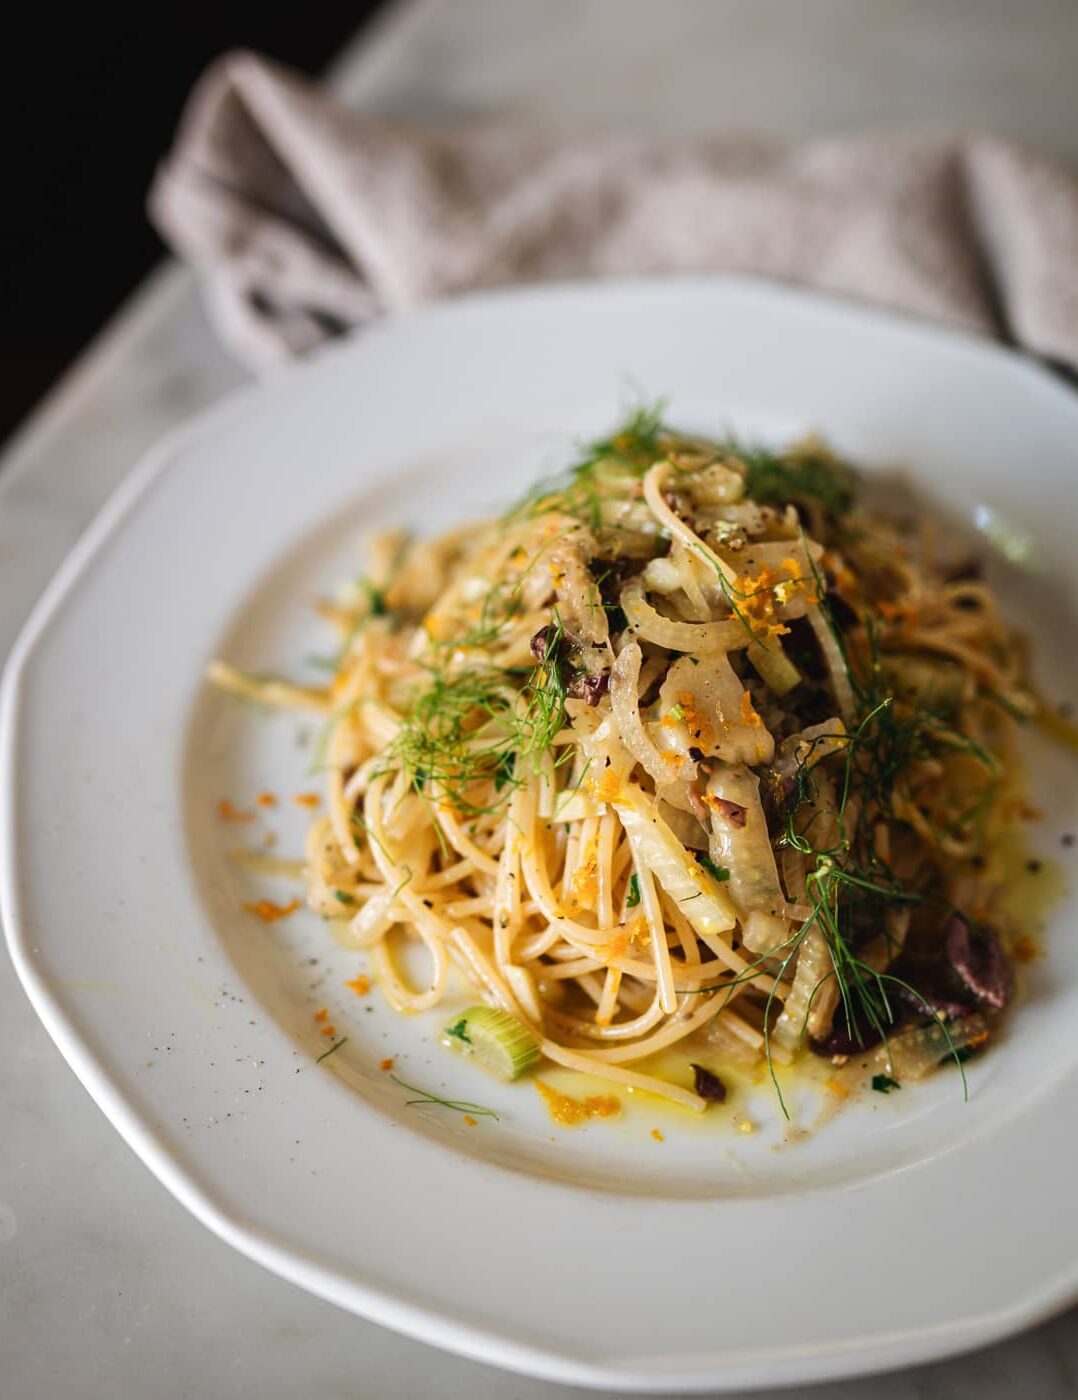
pixel 304 218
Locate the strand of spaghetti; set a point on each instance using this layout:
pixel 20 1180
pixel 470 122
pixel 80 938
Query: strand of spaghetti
pixel 370 925
pixel 506 905
pixel 461 843
pixel 604 903
pixel 686 935
pixel 451 875
pixel 340 811
pixel 485 973
pixel 547 789
pixel 588 1064
pixel 319 849
pixel 623 858
pixel 591 986
pixel 529 949
pixel 933 641
pixel 585 883
pixel 587 1029
pixel 695 978
pixel 672 1033
pixel 572 858
pixel 430 928
pixel 276 693
pixel 467 908
pixel 356 785
pixel 608 1002
pixel 636 996
pixel 523 986
pixel 726 955
pixel 538 884
pixel 397 992
pixel 567 971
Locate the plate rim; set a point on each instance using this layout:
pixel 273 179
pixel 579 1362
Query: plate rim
pixel 798 1363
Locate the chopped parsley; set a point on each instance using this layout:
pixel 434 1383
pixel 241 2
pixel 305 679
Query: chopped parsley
pixel 632 899
pixel 459 1030
pixel 883 1084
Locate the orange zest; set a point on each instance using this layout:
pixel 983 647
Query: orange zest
pixel 386 1064
pixel 570 1112
pixel 657 1135
pixel 228 813
pixel 900 613
pixel 755 595
pixel 266 799
pixel 361 985
pixel 268 912
pixel 623 937
pixel 748 711
pixel 306 799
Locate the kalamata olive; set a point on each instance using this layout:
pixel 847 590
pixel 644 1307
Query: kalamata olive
pixel 852 1038
pixel 708 1085
pixel 977 957
pixel 589 688
pixel 538 643
pixel 931 1001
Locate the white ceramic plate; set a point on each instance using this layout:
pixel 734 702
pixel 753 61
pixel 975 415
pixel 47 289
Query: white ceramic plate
pixel 906 1228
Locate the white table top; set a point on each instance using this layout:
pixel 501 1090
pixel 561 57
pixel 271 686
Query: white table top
pixel 107 1287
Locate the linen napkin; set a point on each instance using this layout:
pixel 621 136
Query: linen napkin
pixel 303 218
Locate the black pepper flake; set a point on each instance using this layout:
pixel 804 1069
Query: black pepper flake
pixel 1033 866
pixel 1068 838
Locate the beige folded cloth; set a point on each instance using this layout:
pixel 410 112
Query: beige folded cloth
pixel 304 218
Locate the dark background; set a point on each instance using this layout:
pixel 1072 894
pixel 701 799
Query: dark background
pixel 87 107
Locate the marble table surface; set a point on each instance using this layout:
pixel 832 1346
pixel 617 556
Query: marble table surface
pixel 107 1287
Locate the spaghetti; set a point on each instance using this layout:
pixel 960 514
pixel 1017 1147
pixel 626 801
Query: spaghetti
pixel 684 746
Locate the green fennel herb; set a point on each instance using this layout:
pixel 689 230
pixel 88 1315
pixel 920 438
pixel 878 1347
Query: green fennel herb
pixel 799 476
pixel 335 1046
pixel 457 1105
